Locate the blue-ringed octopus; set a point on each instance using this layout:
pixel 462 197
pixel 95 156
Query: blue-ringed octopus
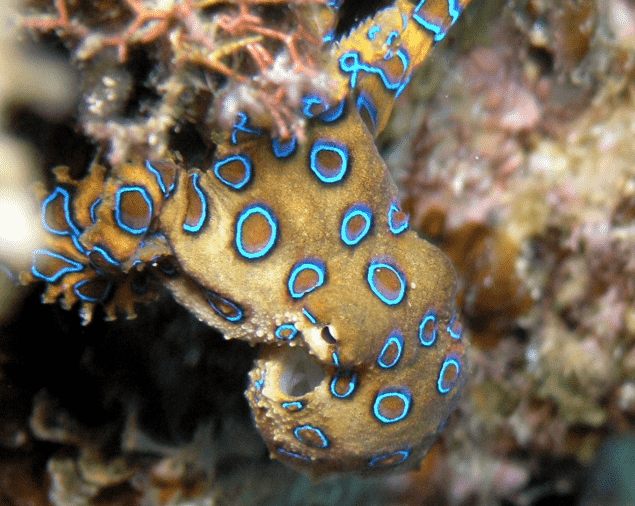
pixel 298 247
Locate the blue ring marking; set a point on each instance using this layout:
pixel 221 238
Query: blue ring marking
pixel 309 316
pixel 454 334
pixel 439 32
pixel 392 36
pixel 159 177
pixel 372 32
pixel 356 210
pixel 242 126
pixel 109 258
pixel 350 64
pixel 93 210
pixel 329 36
pixel 146 197
pixel 404 395
pixel 284 149
pixel 195 184
pixel 318 170
pixel 67 212
pixel 365 101
pixel 441 386
pixel 396 228
pixel 233 319
pixel 282 451
pixel 73 266
pixel 309 101
pixel 293 405
pixel 369 277
pixel 378 461
pixel 429 340
pixel 286 326
pixel 273 223
pixel 405 61
pixel 314 265
pixel 317 432
pixel 240 158
pixel 332 113
pixel 86 298
pixel 394 339
pixel 336 359
pixel 78 245
pixel 351 386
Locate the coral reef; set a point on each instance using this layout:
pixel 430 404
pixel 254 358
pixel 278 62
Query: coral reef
pixel 149 69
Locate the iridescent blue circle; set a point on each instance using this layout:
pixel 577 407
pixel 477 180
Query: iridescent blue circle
pixel 325 174
pixel 273 223
pixel 429 338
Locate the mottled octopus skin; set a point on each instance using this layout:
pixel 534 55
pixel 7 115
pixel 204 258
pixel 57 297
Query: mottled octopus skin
pixel 299 247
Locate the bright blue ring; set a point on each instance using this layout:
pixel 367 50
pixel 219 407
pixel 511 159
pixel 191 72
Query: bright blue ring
pixel 282 451
pixel 90 299
pixel 309 101
pixel 448 362
pixel 371 270
pixel 405 397
pixel 285 326
pixel 394 229
pixel 67 212
pixel 351 386
pixel 78 245
pixel 241 158
pixel 146 197
pixel 373 32
pixel 356 210
pixel 392 36
pixel 430 316
pixel 333 113
pixel 350 63
pixel 294 404
pixel 340 149
pixel 320 434
pixel 396 338
pixel 159 177
pixel 452 332
pixel 313 265
pixel 93 210
pixel 260 209
pixel 195 228
pixel 241 126
pixel 438 31
pixel 377 460
pixel 232 319
pixel 283 150
pixel 109 258
pixel 73 266
pixel 309 316
pixel 364 100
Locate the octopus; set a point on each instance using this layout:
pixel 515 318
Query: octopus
pixel 300 247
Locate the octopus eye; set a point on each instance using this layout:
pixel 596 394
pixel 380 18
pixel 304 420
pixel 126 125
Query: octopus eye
pixel 300 373
pixel 328 336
